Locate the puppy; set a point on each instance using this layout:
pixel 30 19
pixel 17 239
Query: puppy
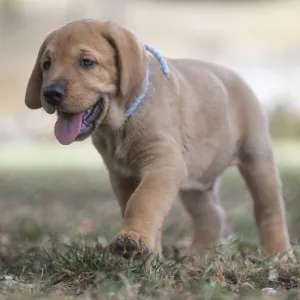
pixel 164 127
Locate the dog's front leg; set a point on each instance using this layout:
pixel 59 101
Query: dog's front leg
pixel 146 209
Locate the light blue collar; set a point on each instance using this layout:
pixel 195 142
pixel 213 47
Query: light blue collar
pixel 141 97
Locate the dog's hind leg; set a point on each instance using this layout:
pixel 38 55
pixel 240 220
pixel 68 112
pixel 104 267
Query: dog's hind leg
pixel 257 166
pixel 260 173
pixel 208 217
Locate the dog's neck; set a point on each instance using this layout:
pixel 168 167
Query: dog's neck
pixel 142 96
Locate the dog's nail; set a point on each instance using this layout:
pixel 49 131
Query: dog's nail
pixel 131 244
pixel 144 249
pixel 120 244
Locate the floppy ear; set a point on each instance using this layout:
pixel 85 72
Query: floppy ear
pixel 131 58
pixel 33 90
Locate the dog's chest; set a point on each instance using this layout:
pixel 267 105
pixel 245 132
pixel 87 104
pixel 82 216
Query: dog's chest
pixel 114 151
pixel 120 167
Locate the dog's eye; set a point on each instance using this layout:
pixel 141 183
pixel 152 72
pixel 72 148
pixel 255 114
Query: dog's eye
pixel 87 63
pixel 47 65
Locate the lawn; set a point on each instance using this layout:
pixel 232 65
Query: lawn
pixel 58 213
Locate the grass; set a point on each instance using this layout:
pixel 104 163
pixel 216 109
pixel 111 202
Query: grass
pixel 57 213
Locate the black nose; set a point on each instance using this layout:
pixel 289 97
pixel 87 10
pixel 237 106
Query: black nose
pixel 54 94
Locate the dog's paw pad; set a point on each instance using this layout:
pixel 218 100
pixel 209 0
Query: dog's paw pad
pixel 128 246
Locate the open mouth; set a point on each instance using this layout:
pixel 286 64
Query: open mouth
pixel 72 127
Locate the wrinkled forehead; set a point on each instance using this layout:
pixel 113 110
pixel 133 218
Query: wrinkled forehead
pixel 74 41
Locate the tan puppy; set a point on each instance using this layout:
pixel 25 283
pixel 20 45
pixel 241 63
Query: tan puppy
pixel 191 125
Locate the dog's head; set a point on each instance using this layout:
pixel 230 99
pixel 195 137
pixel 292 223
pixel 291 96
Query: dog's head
pixel 84 70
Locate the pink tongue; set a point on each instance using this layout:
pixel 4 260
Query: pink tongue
pixel 67 127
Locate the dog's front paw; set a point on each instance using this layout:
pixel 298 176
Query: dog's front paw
pixel 128 244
